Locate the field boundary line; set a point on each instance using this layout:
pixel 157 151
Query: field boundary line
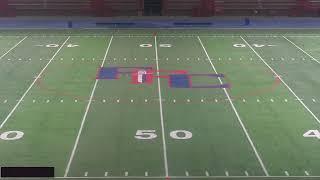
pixel 288 87
pixel 237 114
pixel 209 28
pixel 301 49
pixel 86 113
pixel 188 177
pixel 34 81
pixel 13 47
pixel 165 28
pixel 161 111
pixel 165 35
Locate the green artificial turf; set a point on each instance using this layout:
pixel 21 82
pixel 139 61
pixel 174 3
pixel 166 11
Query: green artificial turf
pixel 87 127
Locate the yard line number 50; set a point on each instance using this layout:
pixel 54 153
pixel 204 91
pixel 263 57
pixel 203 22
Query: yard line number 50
pixel 151 134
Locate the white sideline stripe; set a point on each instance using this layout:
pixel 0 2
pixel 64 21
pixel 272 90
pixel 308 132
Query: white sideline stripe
pixel 301 49
pixel 34 81
pixel 297 97
pixel 165 35
pixel 13 47
pixel 85 114
pixel 161 111
pixel 237 114
pixel 184 177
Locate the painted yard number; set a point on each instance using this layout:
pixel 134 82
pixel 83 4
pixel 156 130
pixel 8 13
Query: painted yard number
pixel 160 45
pixel 254 45
pixel 11 135
pixel 312 134
pixel 57 45
pixel 151 134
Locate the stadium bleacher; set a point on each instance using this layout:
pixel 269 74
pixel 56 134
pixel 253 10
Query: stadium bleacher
pixel 122 7
pixel 276 7
pixel 51 7
pixel 269 7
pixel 180 7
pixel 5 10
pixel 169 7
pixel 235 7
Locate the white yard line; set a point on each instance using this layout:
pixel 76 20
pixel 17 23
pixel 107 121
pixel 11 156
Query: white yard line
pixel 85 114
pixel 13 47
pixel 288 87
pixel 301 49
pixel 35 80
pixel 237 114
pixel 161 111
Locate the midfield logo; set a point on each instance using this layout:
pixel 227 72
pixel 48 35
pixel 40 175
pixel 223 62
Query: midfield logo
pixel 146 75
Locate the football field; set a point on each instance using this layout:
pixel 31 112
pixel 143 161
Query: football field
pixel 162 104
